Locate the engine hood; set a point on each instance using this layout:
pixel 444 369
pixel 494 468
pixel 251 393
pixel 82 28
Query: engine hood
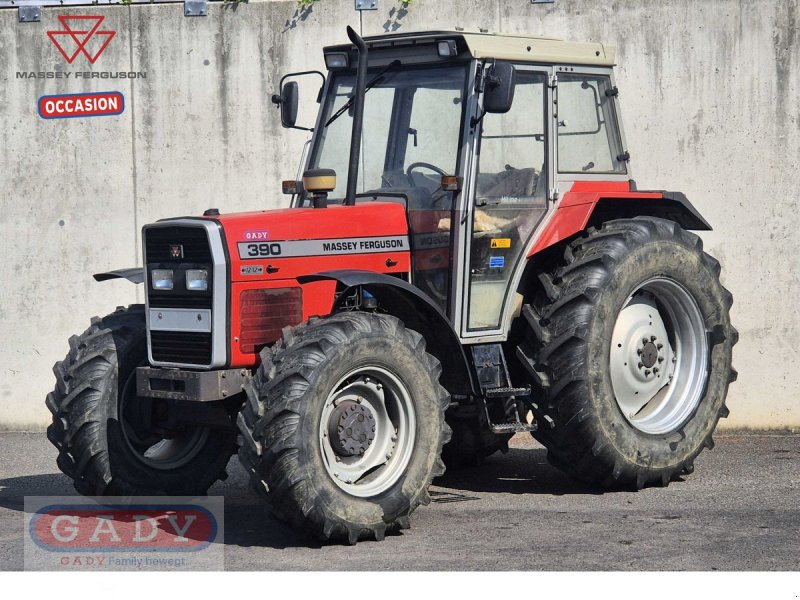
pixel 287 243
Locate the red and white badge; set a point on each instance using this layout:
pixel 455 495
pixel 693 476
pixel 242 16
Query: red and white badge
pixel 90 104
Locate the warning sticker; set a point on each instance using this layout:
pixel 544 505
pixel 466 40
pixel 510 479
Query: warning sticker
pixel 497 262
pixel 501 243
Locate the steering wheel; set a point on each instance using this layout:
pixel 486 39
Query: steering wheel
pixel 420 164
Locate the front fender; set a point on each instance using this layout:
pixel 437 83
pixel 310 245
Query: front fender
pixel 418 312
pixel 134 275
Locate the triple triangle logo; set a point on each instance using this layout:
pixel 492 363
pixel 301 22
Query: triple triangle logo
pixel 81 35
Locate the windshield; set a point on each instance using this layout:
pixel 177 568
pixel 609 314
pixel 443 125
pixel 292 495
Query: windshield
pixel 412 123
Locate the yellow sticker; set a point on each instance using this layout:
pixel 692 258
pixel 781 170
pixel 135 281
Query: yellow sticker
pixel 501 243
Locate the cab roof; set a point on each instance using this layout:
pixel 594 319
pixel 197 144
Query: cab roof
pixel 517 48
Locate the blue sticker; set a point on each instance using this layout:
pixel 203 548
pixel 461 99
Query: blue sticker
pixel 497 262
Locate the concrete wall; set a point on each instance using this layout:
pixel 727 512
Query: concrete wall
pixel 710 96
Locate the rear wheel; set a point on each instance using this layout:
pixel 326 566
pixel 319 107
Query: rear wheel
pixel 629 342
pixel 112 442
pixel 344 425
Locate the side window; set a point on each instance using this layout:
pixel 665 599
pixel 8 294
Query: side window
pixel 433 135
pixel 335 139
pixel 588 135
pixel 510 197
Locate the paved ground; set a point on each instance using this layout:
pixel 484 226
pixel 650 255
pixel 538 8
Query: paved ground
pixel 739 511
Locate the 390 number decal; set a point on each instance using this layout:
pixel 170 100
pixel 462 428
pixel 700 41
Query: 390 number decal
pixel 254 250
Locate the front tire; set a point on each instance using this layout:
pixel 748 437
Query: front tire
pixel 344 425
pixel 629 342
pixel 103 431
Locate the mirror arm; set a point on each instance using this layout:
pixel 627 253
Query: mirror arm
pixel 475 121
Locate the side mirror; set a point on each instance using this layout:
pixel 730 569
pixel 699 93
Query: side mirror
pixel 499 88
pixel 288 102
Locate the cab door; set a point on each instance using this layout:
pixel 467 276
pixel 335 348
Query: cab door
pixel 509 182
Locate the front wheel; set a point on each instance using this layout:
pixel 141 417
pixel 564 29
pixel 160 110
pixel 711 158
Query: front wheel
pixel 344 425
pixel 629 342
pixel 113 442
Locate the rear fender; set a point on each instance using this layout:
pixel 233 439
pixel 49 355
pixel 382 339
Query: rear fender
pixel 418 312
pixel 581 209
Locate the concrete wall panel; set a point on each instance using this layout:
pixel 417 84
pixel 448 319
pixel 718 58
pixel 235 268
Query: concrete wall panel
pixel 709 92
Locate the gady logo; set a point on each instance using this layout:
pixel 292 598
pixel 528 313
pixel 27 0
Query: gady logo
pixel 77 37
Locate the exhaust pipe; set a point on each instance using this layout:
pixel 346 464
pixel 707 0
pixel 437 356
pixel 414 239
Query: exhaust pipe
pixel 358 117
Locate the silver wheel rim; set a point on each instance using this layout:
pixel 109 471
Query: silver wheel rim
pixel 659 356
pixel 373 457
pixel 163 454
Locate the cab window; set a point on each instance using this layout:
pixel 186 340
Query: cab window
pixel 588 135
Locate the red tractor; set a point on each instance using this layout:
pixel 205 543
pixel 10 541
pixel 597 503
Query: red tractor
pixel 488 267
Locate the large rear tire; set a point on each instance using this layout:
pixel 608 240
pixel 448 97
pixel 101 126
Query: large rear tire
pixel 103 431
pixel 344 425
pixel 628 343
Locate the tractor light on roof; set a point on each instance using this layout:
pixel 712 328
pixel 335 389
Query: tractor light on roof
pixel 447 48
pixel 197 280
pixel 162 279
pixel 336 61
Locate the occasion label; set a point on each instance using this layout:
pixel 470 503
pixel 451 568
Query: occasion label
pixel 94 104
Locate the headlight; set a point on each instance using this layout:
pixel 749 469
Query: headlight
pixel 162 279
pixel 197 280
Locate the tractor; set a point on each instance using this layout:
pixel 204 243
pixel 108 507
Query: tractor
pixel 465 257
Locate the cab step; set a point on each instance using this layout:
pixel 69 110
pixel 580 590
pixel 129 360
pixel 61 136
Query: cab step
pixel 490 364
pixel 517 427
pixel 507 392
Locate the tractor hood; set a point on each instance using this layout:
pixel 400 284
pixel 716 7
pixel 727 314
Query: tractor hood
pixel 288 243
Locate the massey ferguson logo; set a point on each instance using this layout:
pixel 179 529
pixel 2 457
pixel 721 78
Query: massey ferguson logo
pixel 81 35
pixel 176 251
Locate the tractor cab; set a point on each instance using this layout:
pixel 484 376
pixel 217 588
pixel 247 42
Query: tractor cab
pixel 465 130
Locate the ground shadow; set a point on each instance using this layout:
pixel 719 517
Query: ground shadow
pixel 14 489
pixel 249 523
pixel 520 471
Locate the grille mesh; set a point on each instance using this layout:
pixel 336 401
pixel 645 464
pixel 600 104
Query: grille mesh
pixel 194 240
pixel 181 347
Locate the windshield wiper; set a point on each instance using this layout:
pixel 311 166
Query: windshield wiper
pixel 371 84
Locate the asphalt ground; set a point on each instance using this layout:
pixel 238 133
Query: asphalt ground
pixel 738 511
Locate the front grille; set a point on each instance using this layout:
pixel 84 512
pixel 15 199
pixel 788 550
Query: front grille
pixel 181 347
pixel 164 300
pixel 159 240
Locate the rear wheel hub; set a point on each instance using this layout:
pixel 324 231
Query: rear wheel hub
pixel 351 428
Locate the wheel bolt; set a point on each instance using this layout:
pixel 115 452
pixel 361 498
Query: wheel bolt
pixel 659 346
pixel 639 351
pixel 655 370
pixel 653 338
pixel 647 372
pixel 660 359
pixel 640 365
pixel 645 340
